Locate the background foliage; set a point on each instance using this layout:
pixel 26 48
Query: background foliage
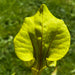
pixel 12 14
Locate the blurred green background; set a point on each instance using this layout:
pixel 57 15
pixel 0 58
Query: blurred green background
pixel 12 14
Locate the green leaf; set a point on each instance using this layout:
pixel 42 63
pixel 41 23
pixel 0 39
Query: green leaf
pixel 42 38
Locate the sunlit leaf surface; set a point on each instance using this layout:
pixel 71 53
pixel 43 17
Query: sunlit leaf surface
pixel 42 38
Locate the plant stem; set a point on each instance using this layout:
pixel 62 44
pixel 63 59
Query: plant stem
pixel 36 72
